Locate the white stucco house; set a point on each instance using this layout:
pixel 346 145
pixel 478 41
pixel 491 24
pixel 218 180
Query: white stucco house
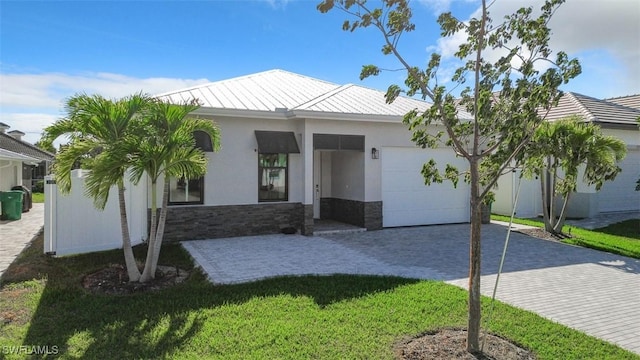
pixel 616 117
pixel 297 149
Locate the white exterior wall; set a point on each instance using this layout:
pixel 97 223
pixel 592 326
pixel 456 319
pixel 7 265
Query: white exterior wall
pixel 347 180
pixel 377 134
pixel 73 225
pixel 586 201
pixel 10 174
pixel 232 173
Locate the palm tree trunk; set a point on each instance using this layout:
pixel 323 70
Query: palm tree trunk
pixel 161 222
pixel 129 258
pixel 557 229
pixel 148 273
pixel 545 199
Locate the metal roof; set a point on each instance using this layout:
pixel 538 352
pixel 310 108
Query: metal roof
pixel 283 92
pixel 265 91
pixel 12 144
pixel 632 101
pixel 593 110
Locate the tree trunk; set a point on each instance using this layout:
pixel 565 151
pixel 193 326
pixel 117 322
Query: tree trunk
pixel 545 199
pixel 552 192
pixel 129 258
pixel 161 221
pixel 473 327
pixel 557 229
pixel 147 273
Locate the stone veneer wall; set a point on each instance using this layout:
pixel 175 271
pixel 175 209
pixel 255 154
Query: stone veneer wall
pixel 358 213
pixel 210 222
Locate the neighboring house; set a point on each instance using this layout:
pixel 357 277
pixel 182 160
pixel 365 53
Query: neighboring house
pixel 632 101
pixel 616 117
pixel 16 172
pixel 296 149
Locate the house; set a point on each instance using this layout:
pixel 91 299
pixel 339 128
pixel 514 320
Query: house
pixel 296 150
pixel 20 161
pixel 617 117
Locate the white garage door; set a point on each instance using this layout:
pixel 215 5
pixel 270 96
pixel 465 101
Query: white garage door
pixel 406 200
pixel 620 194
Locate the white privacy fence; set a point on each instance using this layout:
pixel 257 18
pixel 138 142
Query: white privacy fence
pixel 72 224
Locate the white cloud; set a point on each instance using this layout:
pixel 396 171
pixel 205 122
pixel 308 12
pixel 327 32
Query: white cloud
pixel 581 27
pixel 440 6
pixel 30 102
pixel 50 89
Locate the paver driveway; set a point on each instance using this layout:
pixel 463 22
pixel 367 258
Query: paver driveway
pixel 592 291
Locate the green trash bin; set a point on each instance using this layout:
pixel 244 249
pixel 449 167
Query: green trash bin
pixel 11 204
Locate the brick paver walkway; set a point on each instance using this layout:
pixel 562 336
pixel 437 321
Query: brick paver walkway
pixel 17 234
pixel 592 291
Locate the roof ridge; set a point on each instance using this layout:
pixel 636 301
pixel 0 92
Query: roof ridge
pixel 620 97
pixel 242 77
pixel 585 110
pixel 338 89
pixel 610 103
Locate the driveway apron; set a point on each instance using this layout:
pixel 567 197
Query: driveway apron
pixel 591 291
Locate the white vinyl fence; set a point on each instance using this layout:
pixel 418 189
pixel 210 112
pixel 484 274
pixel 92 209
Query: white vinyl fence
pixel 529 201
pixel 72 224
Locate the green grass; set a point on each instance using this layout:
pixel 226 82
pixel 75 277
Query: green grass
pixel 622 238
pixel 37 197
pixel 311 317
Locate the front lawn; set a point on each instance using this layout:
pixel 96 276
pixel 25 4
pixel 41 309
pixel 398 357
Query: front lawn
pixel 622 238
pixel 37 197
pixel 332 317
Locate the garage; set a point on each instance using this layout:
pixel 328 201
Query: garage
pixel 407 201
pixel 620 195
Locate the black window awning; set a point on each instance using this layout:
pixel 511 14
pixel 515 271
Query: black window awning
pixel 277 142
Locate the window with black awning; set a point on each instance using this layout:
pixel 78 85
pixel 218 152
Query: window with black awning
pixel 277 142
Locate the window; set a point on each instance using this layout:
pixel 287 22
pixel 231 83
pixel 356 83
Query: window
pixel 183 191
pixel 273 170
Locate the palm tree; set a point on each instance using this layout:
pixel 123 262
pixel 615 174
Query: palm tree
pixel 559 151
pixel 167 150
pixel 97 128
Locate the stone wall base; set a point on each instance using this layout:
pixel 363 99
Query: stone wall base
pixel 359 213
pixel 211 222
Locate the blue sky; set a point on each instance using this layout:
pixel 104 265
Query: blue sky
pixel 51 50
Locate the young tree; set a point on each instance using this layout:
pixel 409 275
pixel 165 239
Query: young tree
pixel 559 151
pixel 97 129
pixel 505 97
pixel 167 149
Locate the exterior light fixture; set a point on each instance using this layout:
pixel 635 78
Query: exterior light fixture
pixel 375 153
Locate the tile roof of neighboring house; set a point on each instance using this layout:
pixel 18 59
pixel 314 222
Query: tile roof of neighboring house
pixel 594 110
pixel 282 91
pixel 632 101
pixel 10 143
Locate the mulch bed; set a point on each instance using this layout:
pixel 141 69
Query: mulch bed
pixel 115 281
pixel 447 344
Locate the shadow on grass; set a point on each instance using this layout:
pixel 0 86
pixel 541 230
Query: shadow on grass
pixel 154 325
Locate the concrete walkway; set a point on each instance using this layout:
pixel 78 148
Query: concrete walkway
pixel 16 235
pixel 595 292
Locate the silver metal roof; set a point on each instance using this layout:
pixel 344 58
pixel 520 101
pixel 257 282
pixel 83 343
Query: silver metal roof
pixel 282 91
pixel 593 110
